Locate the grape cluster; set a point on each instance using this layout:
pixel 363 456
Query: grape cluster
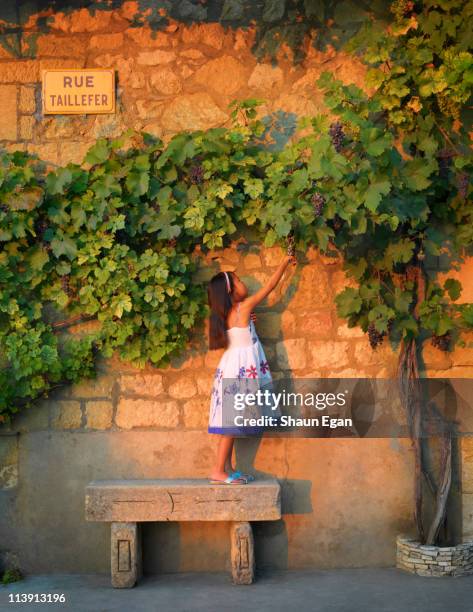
pixel 172 243
pixel 196 175
pixel 337 222
pixel 65 284
pixel 291 245
pixel 463 182
pixel 442 342
pixel 4 208
pixel 40 226
pixel 375 337
pixel 318 202
pixel 337 135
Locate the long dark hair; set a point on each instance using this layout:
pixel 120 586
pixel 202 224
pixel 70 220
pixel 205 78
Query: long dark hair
pixel 220 302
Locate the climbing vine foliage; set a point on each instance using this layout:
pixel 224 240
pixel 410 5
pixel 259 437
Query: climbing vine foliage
pixel 117 240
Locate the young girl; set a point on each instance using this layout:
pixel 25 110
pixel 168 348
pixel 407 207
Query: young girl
pixel 232 326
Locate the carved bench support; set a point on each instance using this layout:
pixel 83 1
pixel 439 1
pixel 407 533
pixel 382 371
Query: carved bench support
pixel 126 555
pixel 242 553
pixel 128 503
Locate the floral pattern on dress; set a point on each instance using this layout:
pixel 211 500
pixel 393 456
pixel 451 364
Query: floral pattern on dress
pixel 245 367
pixel 252 371
pixel 264 367
pixel 241 372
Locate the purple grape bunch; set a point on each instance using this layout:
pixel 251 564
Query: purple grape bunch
pixel 337 135
pixel 318 202
pixel 291 245
pixel 375 337
pixel 442 342
pixel 65 284
pixel 196 175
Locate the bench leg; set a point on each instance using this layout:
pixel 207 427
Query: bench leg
pixel 242 553
pixel 126 554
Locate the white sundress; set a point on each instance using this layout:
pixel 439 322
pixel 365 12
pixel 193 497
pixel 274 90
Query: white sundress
pixel 244 358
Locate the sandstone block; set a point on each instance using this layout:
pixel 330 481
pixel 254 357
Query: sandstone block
pixel 99 414
pixel 8 119
pixel 268 324
pixel 126 554
pixel 181 500
pixel 192 112
pixel 265 77
pixel 107 41
pixel 434 358
pixel 339 280
pixel 292 354
pixel 144 36
pixel 204 382
pixel 325 353
pixel 51 45
pixel 196 413
pixel 212 358
pixel 166 81
pixel 146 413
pixel 299 105
pixel 210 34
pixel 93 387
pixel 85 21
pixel 154 58
pixel 141 384
pixel 19 71
pixel 193 54
pixel 317 324
pixel 27 124
pixel 27 102
pixel 147 109
pixel 463 356
pixel 349 332
pixel 273 256
pixel 184 388
pixel 66 414
pixel 366 356
pixel 252 261
pixel 242 553
pixel 313 288
pixel 225 74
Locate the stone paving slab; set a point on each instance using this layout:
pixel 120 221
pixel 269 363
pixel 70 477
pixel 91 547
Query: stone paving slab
pixel 342 590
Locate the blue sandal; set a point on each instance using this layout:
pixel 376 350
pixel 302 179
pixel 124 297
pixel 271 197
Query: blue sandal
pixel 230 480
pixel 247 477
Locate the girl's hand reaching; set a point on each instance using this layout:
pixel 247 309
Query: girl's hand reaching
pixel 290 259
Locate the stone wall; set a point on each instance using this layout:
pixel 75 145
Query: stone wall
pixel 434 561
pixel 344 501
pixel 179 77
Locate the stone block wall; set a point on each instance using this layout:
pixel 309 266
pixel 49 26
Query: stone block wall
pixel 131 423
pixel 179 77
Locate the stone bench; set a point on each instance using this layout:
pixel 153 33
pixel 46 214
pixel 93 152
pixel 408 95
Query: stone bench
pixel 127 503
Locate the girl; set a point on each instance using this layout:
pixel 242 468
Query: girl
pixel 232 326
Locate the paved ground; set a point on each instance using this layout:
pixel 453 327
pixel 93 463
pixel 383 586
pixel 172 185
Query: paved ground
pixel 346 590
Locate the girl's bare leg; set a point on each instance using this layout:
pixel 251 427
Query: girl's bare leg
pixel 222 467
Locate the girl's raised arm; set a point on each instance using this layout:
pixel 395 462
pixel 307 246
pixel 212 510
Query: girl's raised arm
pixel 253 300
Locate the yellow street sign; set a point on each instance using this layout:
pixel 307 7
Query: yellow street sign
pixel 78 91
